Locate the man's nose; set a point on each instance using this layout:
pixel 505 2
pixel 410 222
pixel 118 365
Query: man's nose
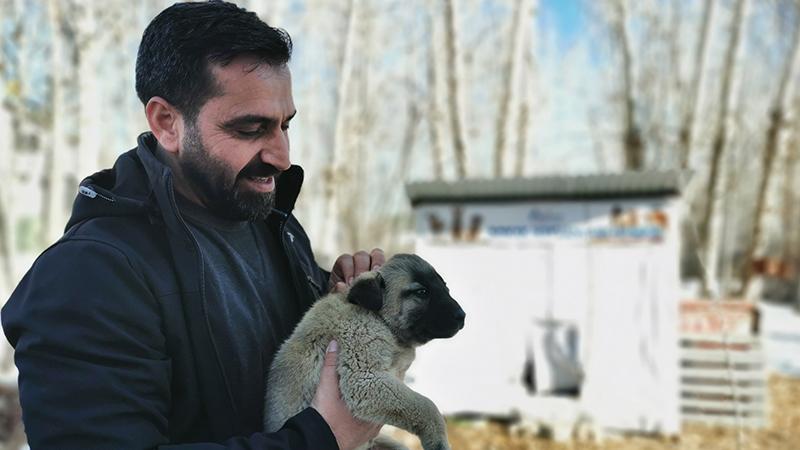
pixel 275 151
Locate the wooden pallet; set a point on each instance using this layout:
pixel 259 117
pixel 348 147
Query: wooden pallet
pixel 723 380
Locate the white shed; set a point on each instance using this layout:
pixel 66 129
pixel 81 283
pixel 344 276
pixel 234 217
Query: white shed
pixel 571 289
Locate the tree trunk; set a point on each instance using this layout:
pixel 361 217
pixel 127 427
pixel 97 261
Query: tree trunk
pixel 434 112
pixel 453 89
pixel 333 176
pixel 511 79
pixel 53 185
pixel 7 136
pixel 356 153
pixel 409 140
pixel 780 105
pixel 792 215
pixel 6 218
pixel 394 228
pixel 90 124
pixel 721 133
pixel 632 144
pixel 666 84
pixel 691 102
pixel 526 92
pixel 788 197
pixel 523 122
pixel 392 234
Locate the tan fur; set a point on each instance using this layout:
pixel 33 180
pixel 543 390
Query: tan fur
pixel 371 364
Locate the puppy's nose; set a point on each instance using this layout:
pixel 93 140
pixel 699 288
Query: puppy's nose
pixel 459 315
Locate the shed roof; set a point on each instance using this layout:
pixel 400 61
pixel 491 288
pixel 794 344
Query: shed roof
pixel 556 187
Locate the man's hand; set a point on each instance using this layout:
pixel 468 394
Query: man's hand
pixel 347 267
pixel 350 432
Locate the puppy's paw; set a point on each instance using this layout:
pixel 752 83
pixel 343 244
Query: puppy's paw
pixel 436 444
pixel 383 442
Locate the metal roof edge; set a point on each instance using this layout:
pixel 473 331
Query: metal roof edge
pixel 551 187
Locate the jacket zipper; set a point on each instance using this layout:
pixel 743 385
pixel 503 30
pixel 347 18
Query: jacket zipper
pixel 87 191
pixel 174 204
pixel 293 264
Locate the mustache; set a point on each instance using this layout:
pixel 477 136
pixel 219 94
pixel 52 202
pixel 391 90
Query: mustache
pixel 259 170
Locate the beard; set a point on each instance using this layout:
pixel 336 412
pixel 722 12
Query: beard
pixel 219 187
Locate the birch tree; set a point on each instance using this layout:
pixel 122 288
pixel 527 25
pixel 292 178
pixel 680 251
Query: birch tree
pixel 633 144
pixel 452 66
pixel 90 45
pixel 720 139
pixel 525 83
pixel 691 102
pixel 512 68
pixel 418 52
pixel 62 41
pixel 781 103
pixel 6 145
pixel 524 117
pixel 434 112
pixel 6 220
pixel 789 221
pixel 333 176
pixel 358 124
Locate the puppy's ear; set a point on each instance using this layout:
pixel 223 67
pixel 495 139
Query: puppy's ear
pixel 367 292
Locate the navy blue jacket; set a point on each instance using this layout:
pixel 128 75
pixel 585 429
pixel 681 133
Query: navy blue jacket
pixel 110 325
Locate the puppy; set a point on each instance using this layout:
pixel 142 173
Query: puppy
pixel 378 323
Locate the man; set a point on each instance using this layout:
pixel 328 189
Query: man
pixel 152 322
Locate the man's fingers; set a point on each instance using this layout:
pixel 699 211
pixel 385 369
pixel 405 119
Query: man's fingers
pixel 350 432
pixel 328 387
pixel 377 257
pixel 330 354
pixel 344 268
pixel 348 267
pixel 362 262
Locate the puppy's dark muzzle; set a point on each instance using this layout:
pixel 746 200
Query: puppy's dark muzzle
pixel 455 322
pixel 459 316
pixel 444 320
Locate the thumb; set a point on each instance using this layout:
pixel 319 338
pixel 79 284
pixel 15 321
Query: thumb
pixel 331 354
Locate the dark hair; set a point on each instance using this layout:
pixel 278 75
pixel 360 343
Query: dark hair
pixel 181 43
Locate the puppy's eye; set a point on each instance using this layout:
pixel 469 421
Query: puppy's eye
pixel 422 292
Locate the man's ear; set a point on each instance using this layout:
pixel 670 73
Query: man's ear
pixel 165 122
pixel 367 292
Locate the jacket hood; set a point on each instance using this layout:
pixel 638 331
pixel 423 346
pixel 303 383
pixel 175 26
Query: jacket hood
pixel 138 181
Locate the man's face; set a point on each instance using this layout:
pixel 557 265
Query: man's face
pixel 232 154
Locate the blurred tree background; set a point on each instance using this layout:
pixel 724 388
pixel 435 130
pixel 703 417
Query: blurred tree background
pixel 390 91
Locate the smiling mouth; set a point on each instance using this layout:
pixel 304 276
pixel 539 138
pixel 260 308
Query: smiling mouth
pixel 261 184
pixel 260 179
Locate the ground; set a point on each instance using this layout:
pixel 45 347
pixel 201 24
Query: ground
pixel 782 434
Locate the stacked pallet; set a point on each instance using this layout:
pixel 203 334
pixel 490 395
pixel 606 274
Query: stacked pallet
pixel 723 380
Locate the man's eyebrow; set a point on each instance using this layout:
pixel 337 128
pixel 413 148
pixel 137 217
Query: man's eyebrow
pixel 251 119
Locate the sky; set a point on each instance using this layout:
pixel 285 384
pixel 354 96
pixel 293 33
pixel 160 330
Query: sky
pixel 565 17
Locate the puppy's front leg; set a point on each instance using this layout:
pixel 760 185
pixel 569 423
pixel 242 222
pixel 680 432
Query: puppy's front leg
pixel 382 398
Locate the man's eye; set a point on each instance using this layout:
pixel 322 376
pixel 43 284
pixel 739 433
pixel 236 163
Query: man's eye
pixel 250 133
pixel 285 126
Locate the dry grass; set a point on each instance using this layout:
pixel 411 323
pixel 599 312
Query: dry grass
pixel 782 434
